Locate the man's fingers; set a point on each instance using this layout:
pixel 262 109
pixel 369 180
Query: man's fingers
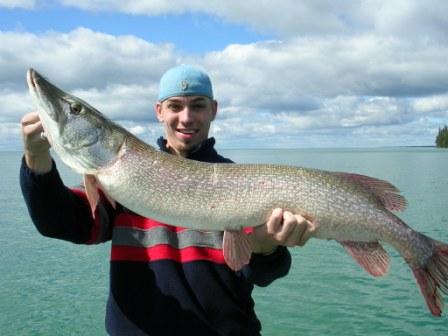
pixel 274 223
pixel 306 230
pixel 296 230
pixel 31 124
pixel 30 118
pixel 287 228
pixel 33 129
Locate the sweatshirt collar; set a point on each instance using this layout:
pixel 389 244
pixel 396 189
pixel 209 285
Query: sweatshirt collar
pixel 204 149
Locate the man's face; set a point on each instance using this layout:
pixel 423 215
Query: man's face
pixel 187 121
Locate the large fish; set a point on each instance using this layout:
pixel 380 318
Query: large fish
pixel 352 209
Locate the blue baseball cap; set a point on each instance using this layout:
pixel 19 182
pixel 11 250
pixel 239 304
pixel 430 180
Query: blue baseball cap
pixel 184 80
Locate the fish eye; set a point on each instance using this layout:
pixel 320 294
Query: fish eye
pixel 75 108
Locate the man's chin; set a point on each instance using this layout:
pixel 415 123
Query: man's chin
pixel 182 148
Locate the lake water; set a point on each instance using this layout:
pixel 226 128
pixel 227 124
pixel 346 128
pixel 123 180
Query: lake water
pixel 49 287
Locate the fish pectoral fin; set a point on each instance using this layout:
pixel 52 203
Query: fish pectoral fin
pixel 92 192
pixel 236 249
pixel 370 255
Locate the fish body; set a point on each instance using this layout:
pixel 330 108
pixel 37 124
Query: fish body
pixel 353 209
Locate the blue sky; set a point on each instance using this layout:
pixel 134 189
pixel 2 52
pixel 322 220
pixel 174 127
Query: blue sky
pixel 286 73
pixel 204 32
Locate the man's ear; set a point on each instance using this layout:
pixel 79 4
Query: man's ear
pixel 158 111
pixel 214 108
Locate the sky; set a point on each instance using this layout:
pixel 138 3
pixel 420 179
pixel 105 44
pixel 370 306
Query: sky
pixel 286 73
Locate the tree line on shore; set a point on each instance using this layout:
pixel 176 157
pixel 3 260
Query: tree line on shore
pixel 442 137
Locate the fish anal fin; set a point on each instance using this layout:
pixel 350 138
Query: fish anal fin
pixel 386 193
pixel 370 255
pixel 236 249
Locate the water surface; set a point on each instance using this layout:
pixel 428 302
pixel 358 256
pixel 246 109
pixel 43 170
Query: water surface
pixel 50 287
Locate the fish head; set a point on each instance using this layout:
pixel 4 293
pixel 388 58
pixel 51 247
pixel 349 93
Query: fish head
pixel 84 139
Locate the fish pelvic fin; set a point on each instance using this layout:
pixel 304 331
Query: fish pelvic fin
pixel 433 278
pixel 236 249
pixel 386 193
pixel 370 255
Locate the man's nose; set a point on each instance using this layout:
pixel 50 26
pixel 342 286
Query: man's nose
pixel 186 115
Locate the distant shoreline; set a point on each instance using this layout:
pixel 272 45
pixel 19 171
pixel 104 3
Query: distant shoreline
pixel 12 150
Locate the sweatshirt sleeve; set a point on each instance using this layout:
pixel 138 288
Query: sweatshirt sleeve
pixel 60 212
pixel 264 269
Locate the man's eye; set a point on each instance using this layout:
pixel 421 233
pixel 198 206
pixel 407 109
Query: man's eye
pixel 174 107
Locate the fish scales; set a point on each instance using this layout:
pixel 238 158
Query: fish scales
pixel 228 196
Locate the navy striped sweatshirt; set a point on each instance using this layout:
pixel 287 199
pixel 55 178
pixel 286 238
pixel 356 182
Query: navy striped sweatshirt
pixel 164 280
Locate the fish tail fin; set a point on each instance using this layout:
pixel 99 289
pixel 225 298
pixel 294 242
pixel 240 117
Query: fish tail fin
pixel 432 277
pixel 236 249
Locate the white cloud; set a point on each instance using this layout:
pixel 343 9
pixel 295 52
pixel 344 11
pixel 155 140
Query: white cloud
pixel 137 130
pixel 118 74
pixel 295 75
pixel 437 105
pixel 82 57
pixel 147 131
pixel 293 18
pixel 413 19
pixel 287 17
pixel 13 105
pixel 122 102
pixel 26 4
pixel 272 88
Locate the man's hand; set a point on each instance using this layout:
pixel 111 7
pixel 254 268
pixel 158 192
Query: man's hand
pixel 282 228
pixel 36 147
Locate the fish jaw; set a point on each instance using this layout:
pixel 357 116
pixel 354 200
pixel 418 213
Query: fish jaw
pixel 83 138
pixel 48 108
pixel 46 95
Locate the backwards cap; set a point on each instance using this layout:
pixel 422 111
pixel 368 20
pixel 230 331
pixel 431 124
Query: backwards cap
pixel 184 80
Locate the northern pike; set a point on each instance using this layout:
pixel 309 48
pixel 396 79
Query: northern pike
pixel 352 209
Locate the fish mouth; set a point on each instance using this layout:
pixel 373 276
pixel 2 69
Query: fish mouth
pixel 46 95
pixel 35 80
pixel 30 79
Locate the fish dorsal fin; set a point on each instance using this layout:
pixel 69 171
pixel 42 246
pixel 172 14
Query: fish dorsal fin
pixel 386 193
pixel 370 255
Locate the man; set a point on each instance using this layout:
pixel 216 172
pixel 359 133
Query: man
pixel 165 280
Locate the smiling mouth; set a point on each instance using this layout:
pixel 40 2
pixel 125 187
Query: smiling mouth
pixel 187 131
